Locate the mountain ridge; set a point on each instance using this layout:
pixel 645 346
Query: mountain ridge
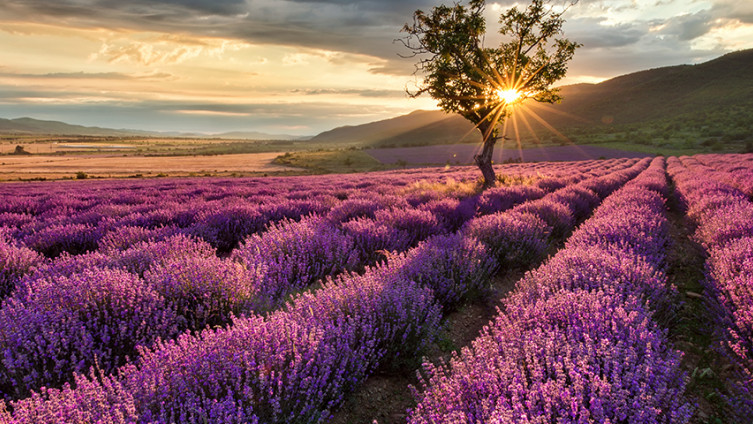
pixel 33 126
pixel 639 97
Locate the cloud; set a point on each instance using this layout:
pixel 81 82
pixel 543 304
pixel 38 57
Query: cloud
pixel 689 26
pixel 734 10
pixel 365 27
pixel 611 62
pixel 302 108
pixel 210 112
pixel 69 75
pixel 215 7
pixel 162 50
pixel 296 59
pixel 596 33
pixel 619 36
pixel 133 8
pixel 349 92
pixel 149 76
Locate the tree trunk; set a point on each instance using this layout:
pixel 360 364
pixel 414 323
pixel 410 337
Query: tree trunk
pixel 484 159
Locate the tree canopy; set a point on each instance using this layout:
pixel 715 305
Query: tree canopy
pixel 483 84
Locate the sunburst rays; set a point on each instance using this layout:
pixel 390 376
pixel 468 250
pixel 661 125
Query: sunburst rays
pixel 505 96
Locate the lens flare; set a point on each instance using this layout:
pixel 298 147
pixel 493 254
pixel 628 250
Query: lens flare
pixel 509 95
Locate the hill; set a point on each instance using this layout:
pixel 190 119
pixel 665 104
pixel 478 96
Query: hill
pixel 718 93
pixel 37 126
pixel 663 92
pixel 404 130
pixel 33 126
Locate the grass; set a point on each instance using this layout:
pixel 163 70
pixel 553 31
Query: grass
pixel 332 161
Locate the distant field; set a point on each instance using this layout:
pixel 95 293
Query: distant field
pixel 148 146
pixel 462 154
pixel 59 157
pixel 104 165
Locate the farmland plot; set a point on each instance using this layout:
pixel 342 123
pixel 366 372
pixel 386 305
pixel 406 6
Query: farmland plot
pixel 272 300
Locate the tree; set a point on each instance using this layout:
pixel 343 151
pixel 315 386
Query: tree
pixel 484 84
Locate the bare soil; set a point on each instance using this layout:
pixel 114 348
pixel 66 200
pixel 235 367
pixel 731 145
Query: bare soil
pixel 691 327
pixel 113 165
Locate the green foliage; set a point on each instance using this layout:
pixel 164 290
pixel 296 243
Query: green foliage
pixel 482 83
pixel 464 75
pixel 329 161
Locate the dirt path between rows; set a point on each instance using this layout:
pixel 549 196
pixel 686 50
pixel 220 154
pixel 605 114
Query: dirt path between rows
pixel 691 327
pixel 385 399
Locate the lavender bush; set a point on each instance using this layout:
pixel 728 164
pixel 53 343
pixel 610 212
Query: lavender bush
pixel 15 262
pixel 514 239
pixel 93 400
pixel 60 325
pixel 573 357
pixel 296 255
pixel 142 256
pixel 724 229
pixel 206 290
pixel 455 267
pixel 576 341
pixel 299 361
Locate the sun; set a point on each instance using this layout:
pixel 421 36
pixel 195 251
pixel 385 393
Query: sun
pixel 509 95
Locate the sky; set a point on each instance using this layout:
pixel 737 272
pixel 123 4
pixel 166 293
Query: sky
pixel 295 67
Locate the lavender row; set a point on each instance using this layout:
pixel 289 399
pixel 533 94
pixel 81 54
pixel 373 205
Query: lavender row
pixel 577 340
pixel 186 286
pixel 348 310
pixel 221 225
pixel 723 216
pixel 738 166
pixel 711 168
pixel 377 224
pixel 75 218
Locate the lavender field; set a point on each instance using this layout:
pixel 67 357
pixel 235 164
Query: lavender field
pixel 274 300
pixel 463 154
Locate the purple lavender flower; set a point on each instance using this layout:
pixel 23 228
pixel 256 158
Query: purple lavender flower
pixel 15 262
pixel 142 256
pixel 502 198
pixel 514 239
pixel 206 290
pixel 257 370
pixel 414 224
pixel 393 318
pixel 579 200
pixel 374 239
pixel 122 238
pixel 93 400
pixel 451 213
pixel 297 254
pixel 556 215
pixel 455 267
pixel 56 326
pixel 353 208
pixel 56 239
pixel 572 357
pixel 226 227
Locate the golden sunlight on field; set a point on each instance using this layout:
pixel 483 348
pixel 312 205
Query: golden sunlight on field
pixel 55 167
